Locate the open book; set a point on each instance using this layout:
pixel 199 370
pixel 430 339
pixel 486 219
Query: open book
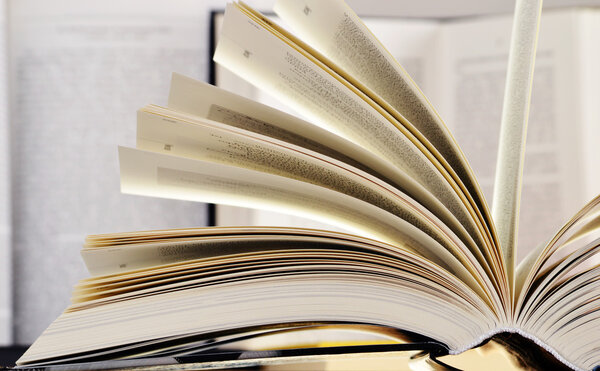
pixel 460 65
pixel 425 266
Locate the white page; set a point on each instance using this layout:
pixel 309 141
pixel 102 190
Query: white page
pixel 80 71
pixel 588 25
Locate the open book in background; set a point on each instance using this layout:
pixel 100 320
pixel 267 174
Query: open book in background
pixel 73 72
pixel 461 67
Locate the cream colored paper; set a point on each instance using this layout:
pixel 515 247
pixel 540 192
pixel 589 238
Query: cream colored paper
pixel 268 62
pixel 152 174
pixel 189 95
pixel 335 30
pixel 511 147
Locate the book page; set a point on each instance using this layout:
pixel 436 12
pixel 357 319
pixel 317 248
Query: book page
pixel 414 46
pixel 335 30
pixel 513 129
pixel 80 70
pixel 165 131
pixel 158 175
pixel 562 310
pixel 262 295
pixel 191 96
pixel 574 37
pixel 587 75
pixel 136 256
pixel 475 73
pixel 333 104
pixel 582 228
pixel 194 97
pixel 417 59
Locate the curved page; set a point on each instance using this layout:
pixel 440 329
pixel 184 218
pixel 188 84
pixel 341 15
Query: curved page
pixel 203 100
pixel 158 175
pixel 268 62
pixel 337 32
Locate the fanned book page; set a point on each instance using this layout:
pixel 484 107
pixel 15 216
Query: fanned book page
pixel 336 31
pixel 290 71
pixel 421 275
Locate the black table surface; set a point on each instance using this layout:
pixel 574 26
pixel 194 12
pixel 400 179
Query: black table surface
pixel 9 355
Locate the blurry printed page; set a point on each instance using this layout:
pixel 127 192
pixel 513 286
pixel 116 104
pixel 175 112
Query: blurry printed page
pixel 80 71
pixel 475 73
pixel 587 25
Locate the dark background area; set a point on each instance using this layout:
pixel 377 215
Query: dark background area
pixel 9 355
